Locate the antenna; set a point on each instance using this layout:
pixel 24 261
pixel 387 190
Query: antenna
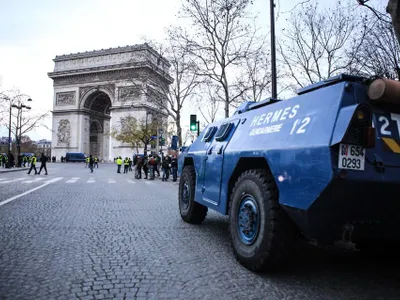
pixel 273 54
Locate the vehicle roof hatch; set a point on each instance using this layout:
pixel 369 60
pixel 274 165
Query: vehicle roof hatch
pixel 330 81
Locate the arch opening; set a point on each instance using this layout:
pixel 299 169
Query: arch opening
pixel 97 106
pixel 98 102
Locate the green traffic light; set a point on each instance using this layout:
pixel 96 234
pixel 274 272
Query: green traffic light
pixel 193 127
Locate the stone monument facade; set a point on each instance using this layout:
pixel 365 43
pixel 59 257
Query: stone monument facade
pixel 94 91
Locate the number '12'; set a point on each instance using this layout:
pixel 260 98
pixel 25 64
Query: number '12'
pixel 299 126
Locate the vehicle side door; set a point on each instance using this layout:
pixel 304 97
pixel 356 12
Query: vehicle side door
pixel 213 162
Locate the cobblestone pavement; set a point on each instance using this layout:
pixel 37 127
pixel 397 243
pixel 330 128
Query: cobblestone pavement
pixel 105 235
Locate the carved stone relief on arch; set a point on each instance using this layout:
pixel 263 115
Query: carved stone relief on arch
pixel 65 98
pixel 64 132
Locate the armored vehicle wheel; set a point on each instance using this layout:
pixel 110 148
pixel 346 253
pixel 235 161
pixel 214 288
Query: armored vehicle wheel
pixel 260 231
pixel 191 211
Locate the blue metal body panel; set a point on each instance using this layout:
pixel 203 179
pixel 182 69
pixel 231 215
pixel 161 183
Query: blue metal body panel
pixel 299 141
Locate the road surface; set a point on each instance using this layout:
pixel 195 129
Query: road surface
pixel 80 235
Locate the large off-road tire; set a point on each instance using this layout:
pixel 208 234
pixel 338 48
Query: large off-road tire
pixel 191 211
pixel 261 233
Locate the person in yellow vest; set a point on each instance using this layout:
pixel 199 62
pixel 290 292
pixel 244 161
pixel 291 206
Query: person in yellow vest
pixel 96 162
pixel 87 161
pixel 126 165
pixel 33 165
pixel 119 164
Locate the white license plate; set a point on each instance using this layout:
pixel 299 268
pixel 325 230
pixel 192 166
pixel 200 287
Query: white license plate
pixel 351 157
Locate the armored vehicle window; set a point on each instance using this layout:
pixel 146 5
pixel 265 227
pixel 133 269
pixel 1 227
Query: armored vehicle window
pixel 223 131
pixel 209 134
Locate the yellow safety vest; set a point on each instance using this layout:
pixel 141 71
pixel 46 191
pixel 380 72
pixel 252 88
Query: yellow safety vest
pixel 119 161
pixel 33 160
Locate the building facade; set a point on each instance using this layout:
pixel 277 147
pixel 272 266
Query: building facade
pixel 43 146
pixel 95 91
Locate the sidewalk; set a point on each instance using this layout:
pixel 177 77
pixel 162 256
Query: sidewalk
pixel 4 170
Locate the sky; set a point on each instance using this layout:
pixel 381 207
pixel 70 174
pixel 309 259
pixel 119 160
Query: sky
pixel 34 32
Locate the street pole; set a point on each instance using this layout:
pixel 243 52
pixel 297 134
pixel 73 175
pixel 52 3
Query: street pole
pixel 157 141
pixel 9 129
pixel 273 55
pixel 17 133
pixel 198 128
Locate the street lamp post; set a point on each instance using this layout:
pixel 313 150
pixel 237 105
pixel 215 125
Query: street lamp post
pixel 20 126
pixel 9 128
pixel 18 132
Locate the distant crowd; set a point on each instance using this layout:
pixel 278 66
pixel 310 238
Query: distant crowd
pixel 148 165
pixel 8 160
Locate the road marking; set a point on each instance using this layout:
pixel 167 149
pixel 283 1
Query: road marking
pixel 30 191
pixel 72 180
pixel 130 181
pixel 148 182
pixel 1 179
pixel 35 180
pixel 13 180
pixel 111 180
pixel 91 180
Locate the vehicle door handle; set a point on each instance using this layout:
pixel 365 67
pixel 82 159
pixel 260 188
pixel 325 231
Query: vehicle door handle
pixel 209 151
pixel 220 149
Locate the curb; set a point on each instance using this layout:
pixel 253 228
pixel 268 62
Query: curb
pixel 13 170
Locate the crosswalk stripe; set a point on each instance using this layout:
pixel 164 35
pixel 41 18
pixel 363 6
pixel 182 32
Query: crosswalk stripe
pixel 148 182
pixel 111 180
pixel 13 180
pixel 72 180
pixel 1 179
pixel 130 181
pixel 91 180
pixel 34 180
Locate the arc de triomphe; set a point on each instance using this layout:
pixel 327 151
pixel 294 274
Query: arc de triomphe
pixel 94 90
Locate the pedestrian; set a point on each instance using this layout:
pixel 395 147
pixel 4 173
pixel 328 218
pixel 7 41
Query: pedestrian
pixel 33 164
pixel 43 160
pixel 174 167
pixel 119 164
pixel 126 165
pixel 151 165
pixel 87 162
pixel 145 166
pixel 166 164
pixel 10 159
pixel 96 162
pixel 91 163
pixel 157 166
pixel 130 164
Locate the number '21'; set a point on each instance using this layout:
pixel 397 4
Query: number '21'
pixel 300 125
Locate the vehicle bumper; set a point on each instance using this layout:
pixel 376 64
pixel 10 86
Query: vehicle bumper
pixel 352 210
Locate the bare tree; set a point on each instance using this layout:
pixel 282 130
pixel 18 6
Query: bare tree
pixel 171 98
pixel 208 103
pixel 315 43
pixel 21 123
pixel 223 37
pixel 392 8
pixel 255 77
pixel 379 53
pixel 137 132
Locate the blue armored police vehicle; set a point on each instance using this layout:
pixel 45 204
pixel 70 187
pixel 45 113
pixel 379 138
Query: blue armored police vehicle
pixel 324 165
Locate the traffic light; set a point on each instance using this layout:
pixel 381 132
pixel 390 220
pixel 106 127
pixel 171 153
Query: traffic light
pixel 193 122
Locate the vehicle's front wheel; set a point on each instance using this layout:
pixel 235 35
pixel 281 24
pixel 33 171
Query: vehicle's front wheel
pixel 191 211
pixel 261 233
